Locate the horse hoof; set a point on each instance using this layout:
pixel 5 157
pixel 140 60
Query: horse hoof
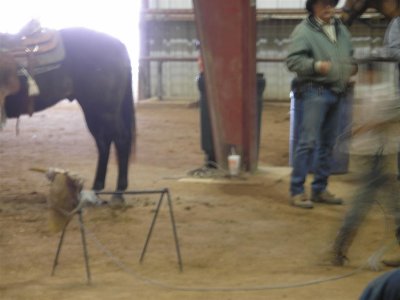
pixel 117 201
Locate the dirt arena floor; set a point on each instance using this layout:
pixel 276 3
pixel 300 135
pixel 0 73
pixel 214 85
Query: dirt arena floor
pixel 239 239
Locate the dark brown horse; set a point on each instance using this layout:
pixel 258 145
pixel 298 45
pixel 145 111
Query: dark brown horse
pixel 352 9
pixel 96 71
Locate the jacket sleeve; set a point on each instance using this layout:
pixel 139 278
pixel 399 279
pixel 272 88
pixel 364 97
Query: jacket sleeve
pixel 393 39
pixel 299 58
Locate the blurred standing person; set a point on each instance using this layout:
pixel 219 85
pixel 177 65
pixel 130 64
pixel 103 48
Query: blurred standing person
pixel 374 146
pixel 392 43
pixel 320 54
pixel 381 143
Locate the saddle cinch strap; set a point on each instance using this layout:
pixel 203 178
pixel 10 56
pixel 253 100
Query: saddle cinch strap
pixel 39 52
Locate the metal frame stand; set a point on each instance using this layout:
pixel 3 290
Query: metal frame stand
pixel 162 192
pixel 85 252
pixel 82 229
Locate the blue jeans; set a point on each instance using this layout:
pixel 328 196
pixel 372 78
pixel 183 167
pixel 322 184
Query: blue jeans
pixel 318 132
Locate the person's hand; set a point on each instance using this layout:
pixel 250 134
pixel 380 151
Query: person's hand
pixel 324 67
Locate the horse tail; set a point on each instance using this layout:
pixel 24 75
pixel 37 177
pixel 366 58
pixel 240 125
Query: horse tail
pixel 128 111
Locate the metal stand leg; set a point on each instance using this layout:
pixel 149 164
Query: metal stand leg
pixel 59 248
pixel 153 222
pixel 85 252
pixel 178 253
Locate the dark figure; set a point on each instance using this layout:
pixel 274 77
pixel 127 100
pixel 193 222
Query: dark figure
pixel 207 144
pixel 206 136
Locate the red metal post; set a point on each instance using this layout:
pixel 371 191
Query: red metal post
pixel 227 32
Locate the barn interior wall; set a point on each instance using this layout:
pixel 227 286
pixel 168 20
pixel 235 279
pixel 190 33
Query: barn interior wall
pixel 176 39
pixel 160 4
pixel 165 4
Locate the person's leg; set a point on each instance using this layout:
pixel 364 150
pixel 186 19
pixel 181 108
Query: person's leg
pixel 329 132
pixel 364 197
pixel 398 153
pixel 398 164
pixel 313 106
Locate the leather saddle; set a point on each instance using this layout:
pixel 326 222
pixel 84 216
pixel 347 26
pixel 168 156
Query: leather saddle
pixel 36 49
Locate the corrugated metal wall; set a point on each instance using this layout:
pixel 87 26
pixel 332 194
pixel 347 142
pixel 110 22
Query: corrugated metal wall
pixel 273 38
pixel 175 39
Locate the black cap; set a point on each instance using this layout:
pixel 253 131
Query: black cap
pixel 310 3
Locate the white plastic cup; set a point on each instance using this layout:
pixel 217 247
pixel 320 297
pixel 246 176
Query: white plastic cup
pixel 234 164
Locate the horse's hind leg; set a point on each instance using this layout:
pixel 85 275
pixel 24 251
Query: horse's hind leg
pixel 122 143
pixel 103 148
pixel 123 147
